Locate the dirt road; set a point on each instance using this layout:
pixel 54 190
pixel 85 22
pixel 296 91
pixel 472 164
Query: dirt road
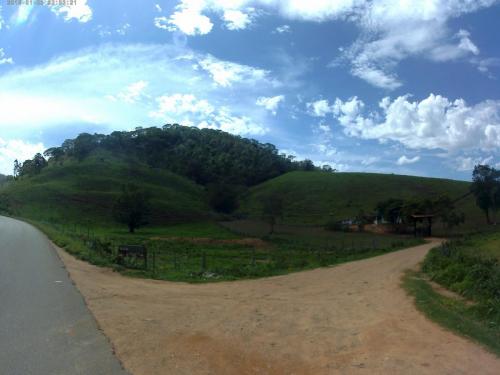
pixel 349 319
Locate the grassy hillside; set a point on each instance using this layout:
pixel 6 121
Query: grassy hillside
pixel 311 197
pixel 85 191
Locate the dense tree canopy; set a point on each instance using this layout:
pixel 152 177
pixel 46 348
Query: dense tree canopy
pixel 204 155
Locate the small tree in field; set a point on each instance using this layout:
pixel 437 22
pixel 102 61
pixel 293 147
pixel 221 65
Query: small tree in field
pixel 132 208
pixel 486 189
pixel 272 209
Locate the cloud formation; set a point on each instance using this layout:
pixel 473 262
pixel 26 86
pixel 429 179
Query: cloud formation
pixel 432 123
pixel 191 111
pixel 4 59
pixel 135 80
pixel 13 149
pixel 80 11
pixel 403 160
pixel 270 103
pixel 391 30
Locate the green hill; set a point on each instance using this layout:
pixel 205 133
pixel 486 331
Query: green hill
pixel 313 197
pixel 85 191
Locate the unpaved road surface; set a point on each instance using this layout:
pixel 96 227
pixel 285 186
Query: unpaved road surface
pixel 349 319
pixel 45 327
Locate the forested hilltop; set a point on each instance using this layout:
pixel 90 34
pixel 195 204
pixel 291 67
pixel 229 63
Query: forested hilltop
pixel 205 156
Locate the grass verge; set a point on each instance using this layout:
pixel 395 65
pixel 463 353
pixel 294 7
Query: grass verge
pixel 457 316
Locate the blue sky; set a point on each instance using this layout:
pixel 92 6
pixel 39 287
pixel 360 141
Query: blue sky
pixel 392 86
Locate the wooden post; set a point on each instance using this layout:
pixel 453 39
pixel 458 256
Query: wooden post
pixel 154 261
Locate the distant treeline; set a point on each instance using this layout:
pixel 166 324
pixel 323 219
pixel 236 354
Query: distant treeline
pixel 204 155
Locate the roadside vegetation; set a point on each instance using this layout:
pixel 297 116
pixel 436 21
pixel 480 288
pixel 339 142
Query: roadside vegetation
pixel 469 267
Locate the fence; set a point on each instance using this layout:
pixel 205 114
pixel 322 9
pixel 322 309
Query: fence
pixel 184 260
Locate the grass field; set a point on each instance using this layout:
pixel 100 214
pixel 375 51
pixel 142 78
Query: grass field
pixel 206 251
pixel 471 268
pixel 315 197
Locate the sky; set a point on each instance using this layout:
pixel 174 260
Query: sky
pixel 391 86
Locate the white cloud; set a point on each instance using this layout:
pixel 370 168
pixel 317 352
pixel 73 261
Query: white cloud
pixel 375 76
pixel 485 65
pixel 187 18
pixel 22 14
pixel 433 123
pixel 241 125
pixel 467 164
pixel 4 59
pixel 106 31
pixel 403 160
pixel 13 149
pixel 181 104
pixel 191 18
pixel 283 29
pixel 319 108
pixel 226 73
pixel 466 44
pixel 270 103
pixel 162 23
pixel 123 29
pixel 392 30
pixel 158 8
pixel 370 160
pixel 236 19
pixel 190 111
pixel 80 11
pixel 446 52
pixel 132 93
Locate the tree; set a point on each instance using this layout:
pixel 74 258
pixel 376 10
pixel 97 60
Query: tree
pixel 452 219
pixel 83 145
pixel 39 163
pixel 132 207
pixel 17 169
pixel 390 210
pixel 486 189
pixel 54 153
pixel 328 168
pixel 307 165
pixel 272 210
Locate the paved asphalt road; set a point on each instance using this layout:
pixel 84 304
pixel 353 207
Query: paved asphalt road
pixel 45 327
